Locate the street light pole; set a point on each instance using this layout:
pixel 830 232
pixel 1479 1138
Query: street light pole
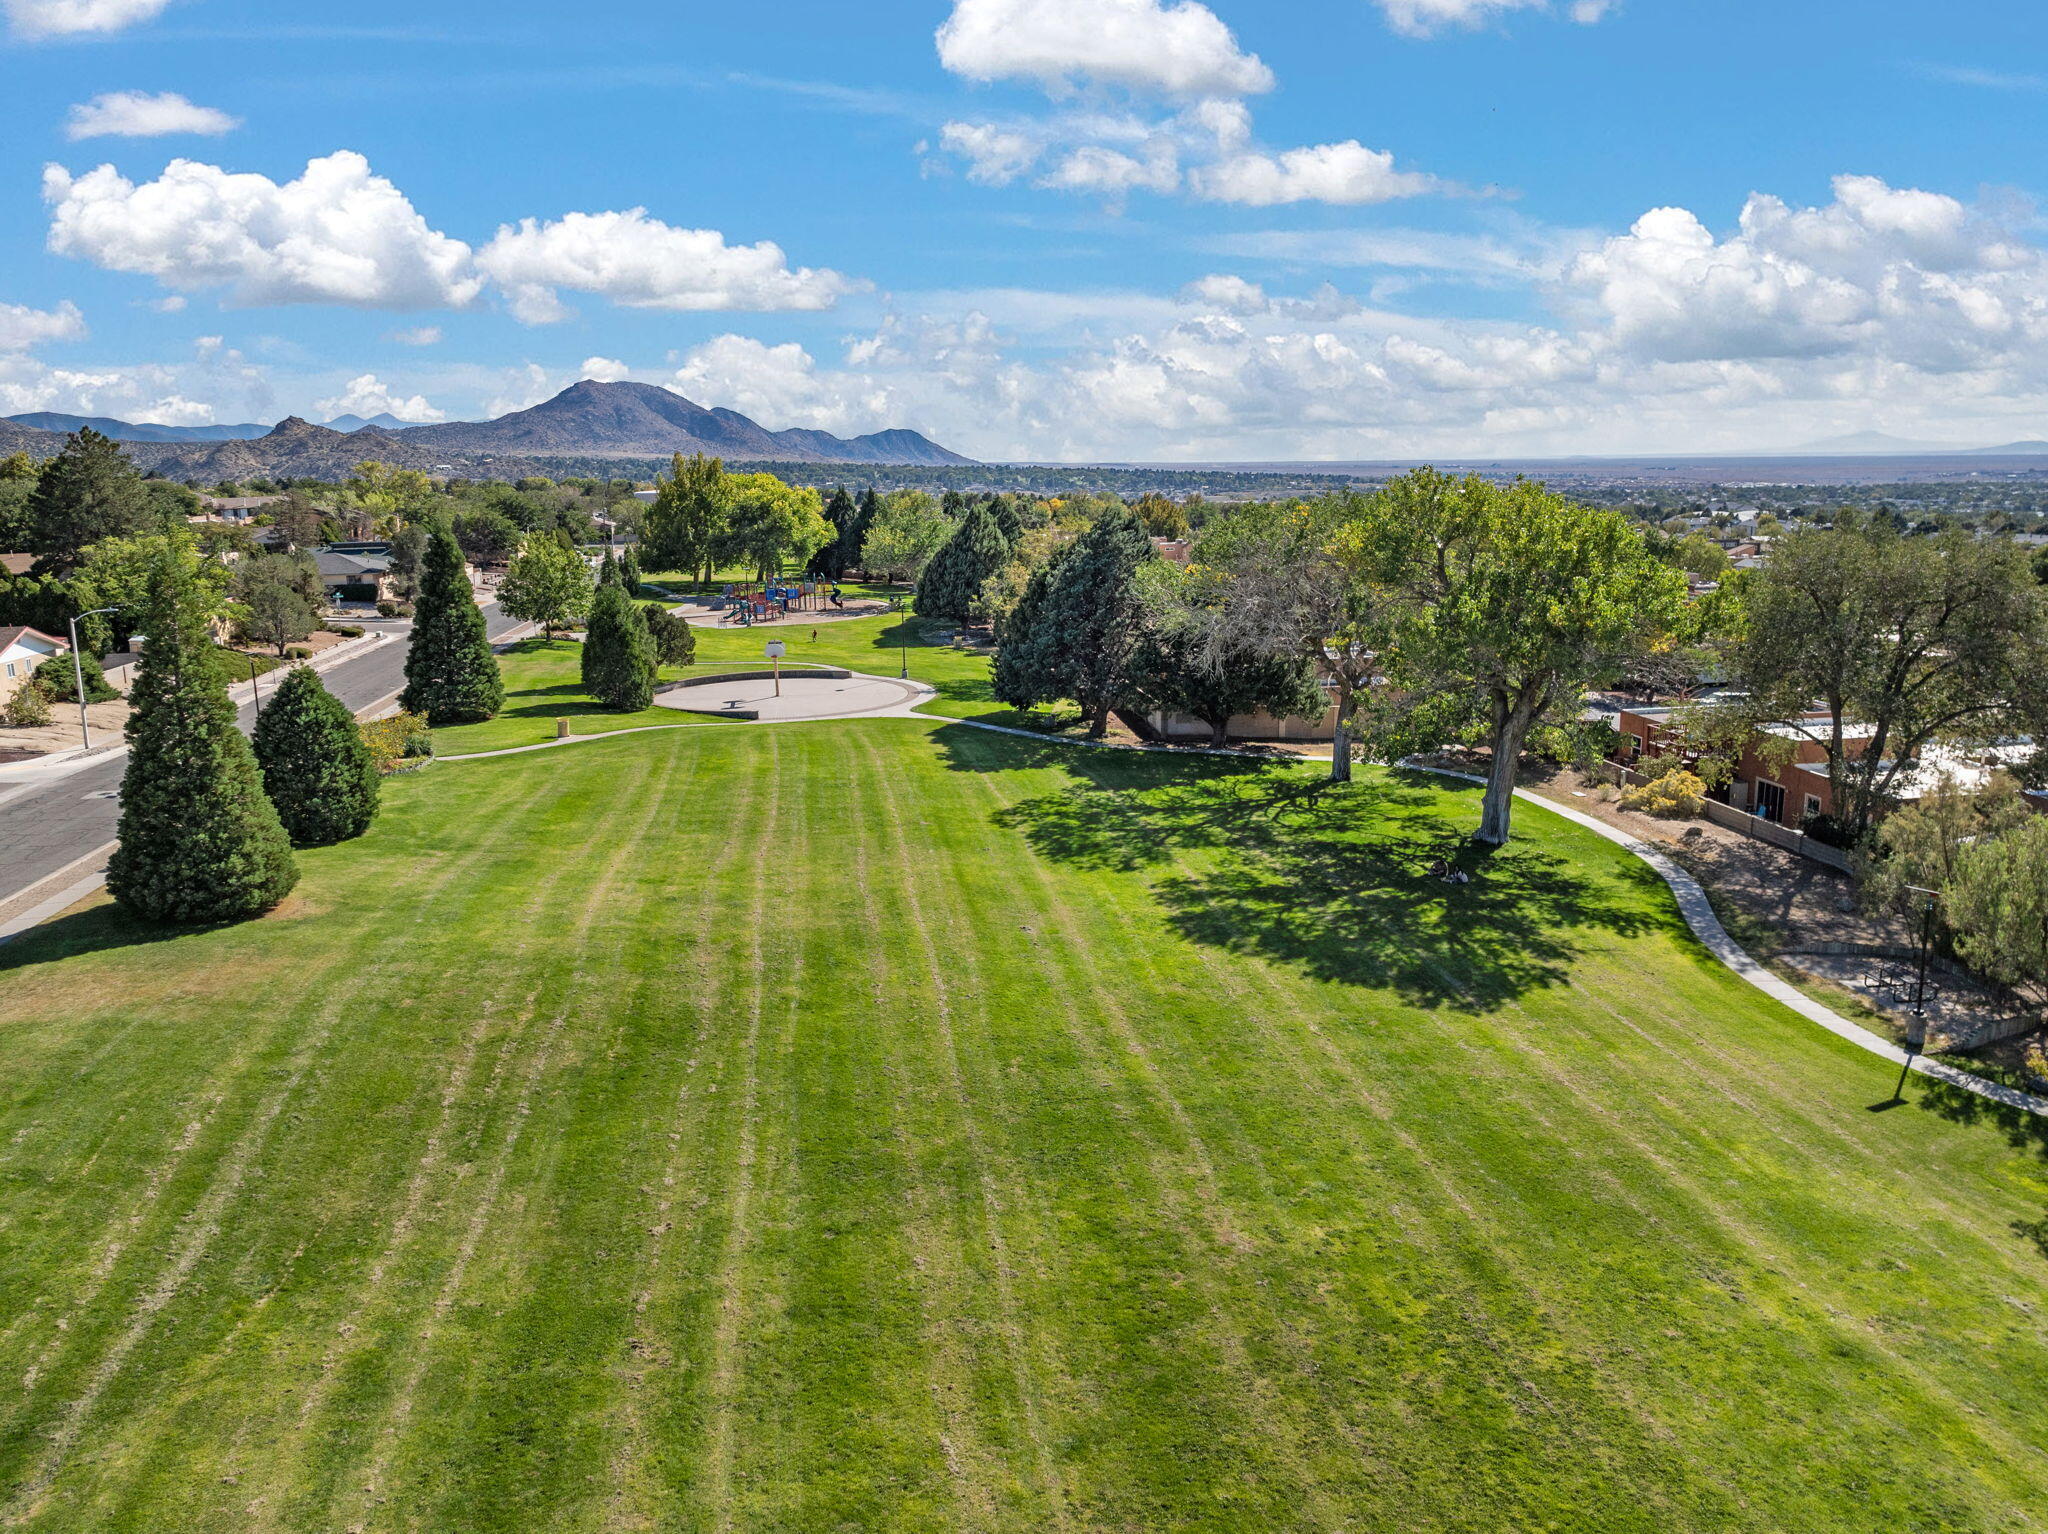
pixel 1917 1034
pixel 255 698
pixel 78 672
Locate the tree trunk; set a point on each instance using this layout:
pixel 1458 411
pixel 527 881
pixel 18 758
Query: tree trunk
pixel 1219 732
pixel 1508 734
pixel 1340 742
pixel 1098 726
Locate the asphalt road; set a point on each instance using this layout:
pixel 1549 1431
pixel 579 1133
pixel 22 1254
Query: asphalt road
pixel 50 827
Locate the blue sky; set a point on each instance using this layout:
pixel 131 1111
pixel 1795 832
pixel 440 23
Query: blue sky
pixel 1044 228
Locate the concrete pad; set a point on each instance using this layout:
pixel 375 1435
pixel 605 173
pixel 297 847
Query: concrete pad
pixel 803 697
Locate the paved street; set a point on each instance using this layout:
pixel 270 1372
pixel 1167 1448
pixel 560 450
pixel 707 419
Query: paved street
pixel 52 826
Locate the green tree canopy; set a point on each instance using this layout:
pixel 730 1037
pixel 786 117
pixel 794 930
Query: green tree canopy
pixel 618 658
pixel 271 592
pixel 451 676
pixel 548 583
pixel 1875 645
pixel 1080 621
pixel 88 492
pixel 317 768
pixel 1510 600
pixel 199 840
pixel 907 530
pixel 688 517
pixel 951 585
pixel 771 524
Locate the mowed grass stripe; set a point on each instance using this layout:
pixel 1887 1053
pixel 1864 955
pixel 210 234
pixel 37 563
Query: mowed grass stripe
pixel 374 1326
pixel 215 1180
pixel 1262 1039
pixel 1326 1196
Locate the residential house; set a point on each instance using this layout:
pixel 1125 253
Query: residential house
pixel 354 572
pixel 237 508
pixel 1789 789
pixel 21 651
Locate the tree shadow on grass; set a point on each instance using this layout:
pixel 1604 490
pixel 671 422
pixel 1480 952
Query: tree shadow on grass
pixel 94 930
pixel 1348 883
pixel 2022 1130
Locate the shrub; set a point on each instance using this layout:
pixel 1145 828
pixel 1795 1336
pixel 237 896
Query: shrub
pixel 298 652
pixel 387 608
pixel 401 743
pixel 28 709
pixel 317 768
pixel 675 642
pixel 1675 795
pixel 1829 831
pixel 59 679
pixel 346 630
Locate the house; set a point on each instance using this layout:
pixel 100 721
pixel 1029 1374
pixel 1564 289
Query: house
pixel 237 508
pixel 354 573
pixel 21 651
pixel 1790 789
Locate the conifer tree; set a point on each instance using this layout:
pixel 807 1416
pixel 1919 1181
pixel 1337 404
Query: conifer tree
pixel 1081 618
pixel 629 572
pixel 451 676
pixel 831 561
pixel 317 769
pixel 608 572
pixel 199 840
pixel 854 536
pixel 953 580
pixel 89 491
pixel 618 653
pixel 1004 509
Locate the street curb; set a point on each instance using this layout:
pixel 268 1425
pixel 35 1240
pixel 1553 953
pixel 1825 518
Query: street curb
pixel 12 927
pixel 1699 915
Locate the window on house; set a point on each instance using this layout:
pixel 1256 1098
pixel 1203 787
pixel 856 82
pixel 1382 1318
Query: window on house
pixel 1813 804
pixel 1635 748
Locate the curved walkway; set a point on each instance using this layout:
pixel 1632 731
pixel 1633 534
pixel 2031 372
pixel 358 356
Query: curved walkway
pixel 1699 915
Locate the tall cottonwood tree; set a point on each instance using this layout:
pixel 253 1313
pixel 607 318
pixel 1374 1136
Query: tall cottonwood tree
pixel 547 583
pixel 688 518
pixel 199 840
pixel 451 675
pixel 1511 600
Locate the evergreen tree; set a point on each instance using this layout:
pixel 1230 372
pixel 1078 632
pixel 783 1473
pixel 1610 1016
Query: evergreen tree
pixel 1004 509
pixel 830 562
pixel 1168 673
pixel 451 676
pixel 629 572
pixel 317 769
pixel 952 582
pixel 618 653
pixel 199 841
pixel 675 642
pixel 1080 620
pixel 846 549
pixel 608 572
pixel 89 491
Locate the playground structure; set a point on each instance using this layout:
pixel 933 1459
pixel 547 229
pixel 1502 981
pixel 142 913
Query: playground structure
pixel 743 607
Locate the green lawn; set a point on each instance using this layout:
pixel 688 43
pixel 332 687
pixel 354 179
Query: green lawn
pixel 890 1125
pixel 543 683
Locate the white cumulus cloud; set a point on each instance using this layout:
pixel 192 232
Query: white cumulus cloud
pixel 62 18
pixel 1181 49
pixel 995 156
pixel 22 327
pixel 339 234
pixel 604 369
pixel 369 395
pixel 642 263
pixel 418 335
pixel 137 114
pixel 1346 174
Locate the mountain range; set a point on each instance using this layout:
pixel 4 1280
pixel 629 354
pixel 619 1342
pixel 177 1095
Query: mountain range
pixel 586 420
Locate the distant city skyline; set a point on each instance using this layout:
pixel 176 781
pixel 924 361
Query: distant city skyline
pixel 1134 230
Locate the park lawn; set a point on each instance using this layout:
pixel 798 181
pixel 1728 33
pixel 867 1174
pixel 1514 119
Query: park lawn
pixel 877 647
pixel 543 683
pixel 890 1125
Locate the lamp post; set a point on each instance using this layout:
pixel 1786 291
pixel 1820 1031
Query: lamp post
pixel 255 698
pixel 1916 1033
pixel 901 605
pixel 78 671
